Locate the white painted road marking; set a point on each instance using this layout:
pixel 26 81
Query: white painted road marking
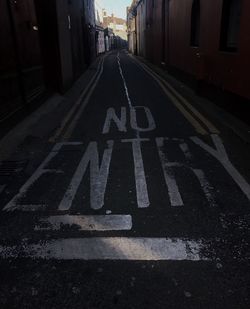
pixel 2 188
pixel 205 185
pixel 124 81
pixel 99 173
pixel 140 178
pixel 98 177
pixel 120 122
pixel 126 89
pixel 220 154
pixel 87 223
pixel 133 119
pixel 178 100
pixel 173 190
pixel 13 204
pixel 113 248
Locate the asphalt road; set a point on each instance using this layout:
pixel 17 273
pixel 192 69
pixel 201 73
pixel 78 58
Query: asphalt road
pixel 136 201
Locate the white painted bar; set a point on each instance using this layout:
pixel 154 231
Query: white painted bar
pixel 13 204
pixel 186 151
pixel 140 178
pixel 86 223
pixel 173 190
pixel 206 186
pixel 124 81
pixel 119 121
pixel 98 177
pixel 126 89
pixel 113 248
pixel 150 118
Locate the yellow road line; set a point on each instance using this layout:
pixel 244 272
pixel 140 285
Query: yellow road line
pixel 70 114
pixel 73 123
pixel 205 121
pixel 211 127
pixel 198 127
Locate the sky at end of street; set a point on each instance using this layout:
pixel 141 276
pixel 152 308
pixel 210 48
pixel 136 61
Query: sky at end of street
pixel 118 7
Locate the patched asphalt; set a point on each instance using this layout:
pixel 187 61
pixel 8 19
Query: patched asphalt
pixel 221 220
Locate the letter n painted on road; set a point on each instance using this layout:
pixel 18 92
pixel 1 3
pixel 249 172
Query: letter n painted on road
pixel 120 122
pixel 98 177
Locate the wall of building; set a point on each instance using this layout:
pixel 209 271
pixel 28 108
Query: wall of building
pixel 45 45
pixel 141 28
pixel 131 28
pixel 118 25
pixel 21 69
pixel 226 70
pixel 167 40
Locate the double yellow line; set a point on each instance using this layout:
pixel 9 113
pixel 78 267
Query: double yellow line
pixel 202 125
pixel 69 123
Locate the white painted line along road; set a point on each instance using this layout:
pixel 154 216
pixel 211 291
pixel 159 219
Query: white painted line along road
pixel 126 89
pixel 86 223
pixel 113 248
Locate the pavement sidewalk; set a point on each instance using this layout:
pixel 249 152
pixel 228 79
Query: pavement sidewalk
pixel 47 118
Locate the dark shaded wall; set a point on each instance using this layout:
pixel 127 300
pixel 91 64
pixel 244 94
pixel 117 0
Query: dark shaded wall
pixel 167 41
pixel 89 30
pixel 45 45
pixel 66 39
pixel 21 70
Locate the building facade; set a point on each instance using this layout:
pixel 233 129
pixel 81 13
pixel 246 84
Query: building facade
pixel 45 46
pixel 118 25
pixel 204 40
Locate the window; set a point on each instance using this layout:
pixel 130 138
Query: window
pixel 230 25
pixel 195 24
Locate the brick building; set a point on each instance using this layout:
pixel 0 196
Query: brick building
pixel 200 40
pixel 118 25
pixel 45 45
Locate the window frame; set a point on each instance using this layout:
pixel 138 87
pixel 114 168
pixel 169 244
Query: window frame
pixel 195 29
pixel 225 27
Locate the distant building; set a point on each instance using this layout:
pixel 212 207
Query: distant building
pixel 44 45
pixel 100 36
pixel 118 25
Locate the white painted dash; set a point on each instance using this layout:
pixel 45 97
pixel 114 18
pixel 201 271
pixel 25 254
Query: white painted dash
pixel 2 187
pixel 110 248
pixel 86 223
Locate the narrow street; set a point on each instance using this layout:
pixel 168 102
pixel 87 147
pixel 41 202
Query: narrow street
pixel 137 200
